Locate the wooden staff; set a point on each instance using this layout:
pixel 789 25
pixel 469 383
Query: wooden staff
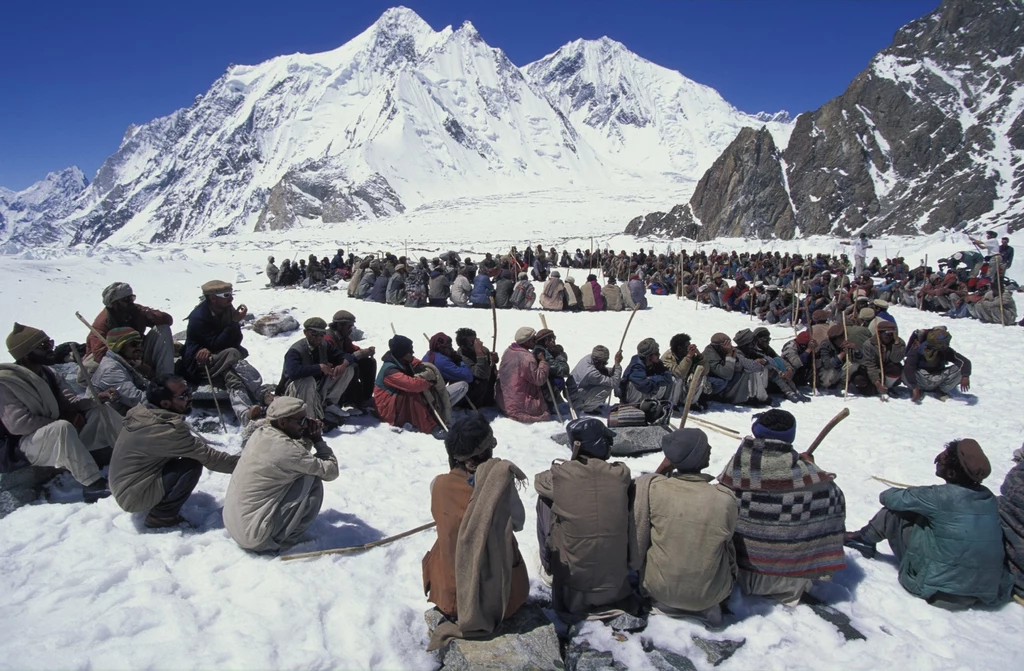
pixel 494 324
pixel 88 383
pixel 881 365
pixel 846 389
pixel 216 403
pixel 891 483
pixel 721 429
pixel 843 414
pixel 359 548
pixel 666 466
pixel 999 285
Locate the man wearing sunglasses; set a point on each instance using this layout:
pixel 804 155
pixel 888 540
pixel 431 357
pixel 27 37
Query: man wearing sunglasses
pixel 54 426
pixel 277 488
pixel 119 311
pixel 213 346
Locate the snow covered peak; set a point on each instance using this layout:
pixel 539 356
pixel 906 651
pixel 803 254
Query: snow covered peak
pixel 401 20
pixel 40 204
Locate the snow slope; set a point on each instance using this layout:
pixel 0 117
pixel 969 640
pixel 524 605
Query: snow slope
pixel 84 587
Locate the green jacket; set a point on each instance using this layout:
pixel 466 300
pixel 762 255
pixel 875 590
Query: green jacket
pixel 957 546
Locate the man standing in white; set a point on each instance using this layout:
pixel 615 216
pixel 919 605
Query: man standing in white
pixel 860 253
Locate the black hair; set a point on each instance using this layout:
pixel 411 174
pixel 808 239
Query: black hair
pixel 464 438
pixel 464 337
pixel 159 388
pixel 679 342
pixel 955 470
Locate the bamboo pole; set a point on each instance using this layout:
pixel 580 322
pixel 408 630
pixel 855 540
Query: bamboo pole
pixel 881 366
pixel 846 389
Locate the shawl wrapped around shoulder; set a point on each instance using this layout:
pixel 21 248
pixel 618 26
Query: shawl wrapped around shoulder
pixel 792 515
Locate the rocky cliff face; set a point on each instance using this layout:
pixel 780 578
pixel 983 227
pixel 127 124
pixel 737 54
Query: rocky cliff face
pixel 929 137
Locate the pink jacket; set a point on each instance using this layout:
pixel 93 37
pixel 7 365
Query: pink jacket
pixel 520 380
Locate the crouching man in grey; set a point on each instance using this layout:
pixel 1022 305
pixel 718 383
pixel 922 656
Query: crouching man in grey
pixel 157 460
pixel 277 488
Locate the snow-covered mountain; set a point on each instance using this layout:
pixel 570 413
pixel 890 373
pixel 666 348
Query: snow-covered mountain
pixel 929 137
pixel 399 117
pixel 640 116
pixel 41 204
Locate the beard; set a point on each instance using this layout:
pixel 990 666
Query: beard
pixel 47 359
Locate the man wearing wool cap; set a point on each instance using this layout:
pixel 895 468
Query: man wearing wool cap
pixel 685 531
pixel 276 489
pixel 317 372
pixel 122 369
pixel 53 426
pixel 213 349
pixel 646 380
pixel 522 375
pixel 593 382
pixel 947 538
pixel 120 310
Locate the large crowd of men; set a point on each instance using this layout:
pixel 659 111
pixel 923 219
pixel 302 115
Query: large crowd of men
pixel 776 288
pixel 690 542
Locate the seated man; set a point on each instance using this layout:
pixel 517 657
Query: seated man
pixel 558 366
pixel 947 538
pixel 869 378
pixel 399 393
pixel 797 354
pixel 120 310
pixel 122 369
pixel 522 376
pixel 359 393
pixel 733 377
pixel 157 460
pixel 646 381
pixel 683 359
pixel 523 293
pixel 213 349
pixel 55 428
pixel 455 372
pixel 684 528
pixel 592 382
pixel 926 369
pixel 483 364
pixel 552 296
pixel 834 354
pixel 612 296
pixel 780 372
pixel 318 373
pixel 1011 512
pixel 584 528
pixel 779 551
pixel 277 487
pixel 273 272
pixel 476 508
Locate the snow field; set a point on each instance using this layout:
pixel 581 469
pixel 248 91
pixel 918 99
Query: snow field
pixel 85 587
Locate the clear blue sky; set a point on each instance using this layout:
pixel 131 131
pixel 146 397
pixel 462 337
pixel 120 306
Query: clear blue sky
pixel 74 75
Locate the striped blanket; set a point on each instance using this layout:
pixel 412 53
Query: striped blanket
pixel 792 514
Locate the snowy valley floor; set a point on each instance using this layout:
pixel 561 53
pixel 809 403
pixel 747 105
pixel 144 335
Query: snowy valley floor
pixel 84 587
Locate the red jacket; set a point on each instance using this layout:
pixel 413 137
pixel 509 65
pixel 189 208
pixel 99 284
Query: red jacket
pixel 399 396
pixel 520 381
pixel 142 319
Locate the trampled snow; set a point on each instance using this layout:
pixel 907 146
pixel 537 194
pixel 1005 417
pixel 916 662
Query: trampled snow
pixel 86 587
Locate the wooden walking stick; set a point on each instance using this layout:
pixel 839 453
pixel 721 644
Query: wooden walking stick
pixel 92 391
pixel 846 363
pixel 666 466
pixel 891 483
pixel 843 414
pixel 359 548
pixel 999 285
pixel 881 365
pixel 216 403
pixel 494 324
pixel 725 430
pixel 622 343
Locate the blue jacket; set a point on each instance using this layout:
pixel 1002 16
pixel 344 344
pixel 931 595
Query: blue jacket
pixel 449 371
pixel 209 332
pixel 957 546
pixel 378 293
pixel 482 290
pixel 644 381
